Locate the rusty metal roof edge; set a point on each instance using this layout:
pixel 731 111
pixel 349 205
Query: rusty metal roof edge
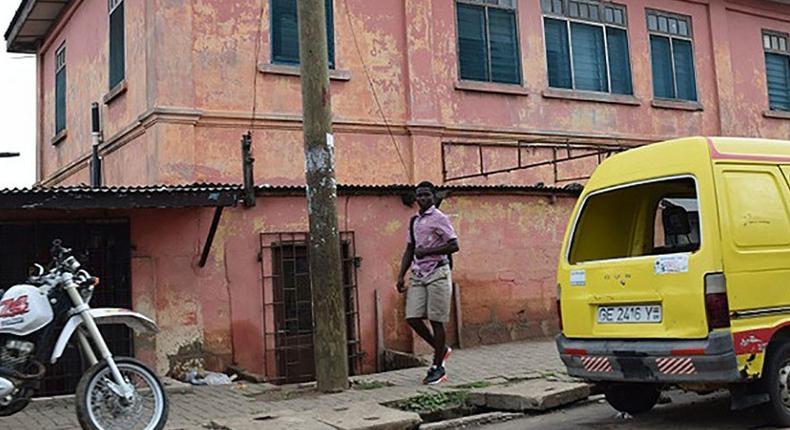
pixel 124 189
pixel 395 189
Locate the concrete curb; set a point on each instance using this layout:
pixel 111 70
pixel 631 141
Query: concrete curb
pixel 533 395
pixel 474 420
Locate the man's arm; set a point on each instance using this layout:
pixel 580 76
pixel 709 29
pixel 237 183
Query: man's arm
pixel 450 247
pixel 405 263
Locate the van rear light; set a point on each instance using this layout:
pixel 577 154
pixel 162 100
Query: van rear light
pixel 716 306
pixel 559 308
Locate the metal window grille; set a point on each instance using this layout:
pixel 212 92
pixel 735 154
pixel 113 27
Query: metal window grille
pixel 104 248
pixel 288 306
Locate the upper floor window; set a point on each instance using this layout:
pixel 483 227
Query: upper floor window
pixel 117 43
pixel 285 32
pixel 777 70
pixel 488 41
pixel 587 45
pixel 672 55
pixel 60 89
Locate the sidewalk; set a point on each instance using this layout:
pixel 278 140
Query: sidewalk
pixel 199 405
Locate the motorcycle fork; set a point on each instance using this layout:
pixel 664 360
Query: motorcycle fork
pixel 81 308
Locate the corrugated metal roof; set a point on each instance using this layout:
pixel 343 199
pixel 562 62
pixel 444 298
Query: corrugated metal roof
pixel 571 189
pixel 82 189
pixel 121 197
pixel 215 194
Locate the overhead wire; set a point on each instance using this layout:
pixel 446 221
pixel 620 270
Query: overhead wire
pixel 375 94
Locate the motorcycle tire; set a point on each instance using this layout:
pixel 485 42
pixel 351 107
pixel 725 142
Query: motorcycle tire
pixel 94 398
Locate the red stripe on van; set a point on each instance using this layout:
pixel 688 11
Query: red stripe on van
pixel 716 155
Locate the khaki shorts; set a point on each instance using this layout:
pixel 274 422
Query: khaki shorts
pixel 430 296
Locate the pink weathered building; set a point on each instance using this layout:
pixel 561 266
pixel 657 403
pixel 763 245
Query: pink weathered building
pixel 451 91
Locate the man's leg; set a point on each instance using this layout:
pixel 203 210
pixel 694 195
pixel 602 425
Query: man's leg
pixel 439 343
pixel 419 327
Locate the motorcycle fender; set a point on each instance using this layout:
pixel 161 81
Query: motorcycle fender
pixel 137 322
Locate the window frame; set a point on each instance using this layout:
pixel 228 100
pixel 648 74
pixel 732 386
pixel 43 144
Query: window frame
pixel 331 50
pixel 60 66
pixel 486 5
pixel 602 23
pixel 112 6
pixel 671 36
pixel 781 36
pixel 578 214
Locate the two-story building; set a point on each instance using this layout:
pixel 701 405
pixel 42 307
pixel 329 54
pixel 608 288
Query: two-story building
pixel 503 102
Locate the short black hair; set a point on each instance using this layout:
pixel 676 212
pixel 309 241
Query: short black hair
pixel 427 184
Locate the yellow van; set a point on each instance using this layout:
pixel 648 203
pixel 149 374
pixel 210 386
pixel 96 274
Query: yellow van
pixel 675 270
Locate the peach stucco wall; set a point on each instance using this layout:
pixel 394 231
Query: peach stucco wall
pixel 215 314
pixel 191 69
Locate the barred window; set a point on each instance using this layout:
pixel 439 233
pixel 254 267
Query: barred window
pixel 488 47
pixel 672 56
pixel 587 45
pixel 777 70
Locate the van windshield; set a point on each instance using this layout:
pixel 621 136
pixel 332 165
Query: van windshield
pixel 647 219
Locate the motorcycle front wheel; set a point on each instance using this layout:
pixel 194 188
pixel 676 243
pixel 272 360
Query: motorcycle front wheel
pixel 100 408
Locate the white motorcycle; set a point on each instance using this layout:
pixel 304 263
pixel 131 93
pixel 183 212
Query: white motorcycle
pixel 38 319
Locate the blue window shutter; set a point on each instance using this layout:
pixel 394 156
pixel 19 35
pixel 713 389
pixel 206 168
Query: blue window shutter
pixel 505 62
pixel 684 69
pixel 619 63
pixel 117 54
pixel 60 100
pixel 285 32
pixel 589 57
pixel 472 43
pixel 557 53
pixel 777 72
pixel 663 81
pixel 330 32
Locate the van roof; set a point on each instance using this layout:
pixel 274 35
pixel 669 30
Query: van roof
pixel 685 156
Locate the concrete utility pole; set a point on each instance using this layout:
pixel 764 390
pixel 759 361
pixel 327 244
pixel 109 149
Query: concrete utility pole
pixel 331 349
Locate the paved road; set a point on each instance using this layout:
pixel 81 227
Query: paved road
pixel 686 411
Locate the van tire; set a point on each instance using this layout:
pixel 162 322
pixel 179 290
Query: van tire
pixel 776 378
pixel 634 398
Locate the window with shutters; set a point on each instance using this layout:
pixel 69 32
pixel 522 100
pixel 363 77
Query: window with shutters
pixel 285 32
pixel 672 55
pixel 117 43
pixel 777 70
pixel 587 46
pixel 60 89
pixel 488 47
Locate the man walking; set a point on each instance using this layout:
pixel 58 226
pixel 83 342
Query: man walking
pixel 430 243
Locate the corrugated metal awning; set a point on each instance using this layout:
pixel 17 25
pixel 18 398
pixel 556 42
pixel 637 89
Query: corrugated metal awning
pixel 152 196
pixel 31 24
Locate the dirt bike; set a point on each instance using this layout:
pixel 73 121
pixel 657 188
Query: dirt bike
pixel 37 321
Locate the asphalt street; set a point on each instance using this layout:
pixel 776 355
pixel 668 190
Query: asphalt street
pixel 684 411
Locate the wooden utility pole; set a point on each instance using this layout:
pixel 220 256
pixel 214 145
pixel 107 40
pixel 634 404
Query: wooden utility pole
pixel 331 350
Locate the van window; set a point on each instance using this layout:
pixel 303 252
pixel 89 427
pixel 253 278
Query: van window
pixel 648 219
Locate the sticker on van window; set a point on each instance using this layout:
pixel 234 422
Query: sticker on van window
pixel 672 264
pixel 578 278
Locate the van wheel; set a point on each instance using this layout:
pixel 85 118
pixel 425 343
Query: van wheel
pixel 777 371
pixel 632 398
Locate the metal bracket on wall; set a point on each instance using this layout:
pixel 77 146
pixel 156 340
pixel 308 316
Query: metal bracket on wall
pixel 561 150
pixel 210 238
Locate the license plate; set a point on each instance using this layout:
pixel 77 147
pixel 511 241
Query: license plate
pixel 637 314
